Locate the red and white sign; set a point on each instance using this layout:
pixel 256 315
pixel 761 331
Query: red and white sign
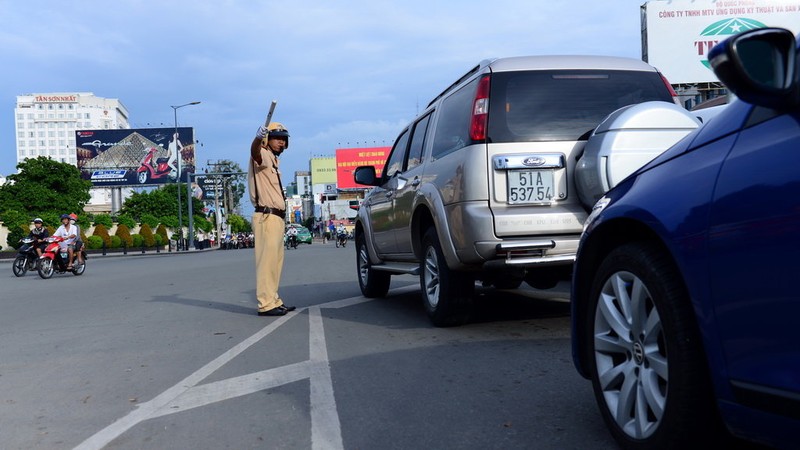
pixel 347 159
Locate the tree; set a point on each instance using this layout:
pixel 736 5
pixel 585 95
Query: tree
pixel 156 202
pixel 162 202
pixel 44 185
pixel 238 223
pixel 234 184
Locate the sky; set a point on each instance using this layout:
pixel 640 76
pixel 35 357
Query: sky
pixel 345 73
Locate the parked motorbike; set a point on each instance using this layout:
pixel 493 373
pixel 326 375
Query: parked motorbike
pixel 341 240
pixel 26 257
pixel 148 171
pixel 54 259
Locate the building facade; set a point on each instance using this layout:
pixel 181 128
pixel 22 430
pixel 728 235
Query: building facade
pixel 45 125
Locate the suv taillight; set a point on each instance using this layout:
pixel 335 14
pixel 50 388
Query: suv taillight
pixel 671 91
pixel 480 111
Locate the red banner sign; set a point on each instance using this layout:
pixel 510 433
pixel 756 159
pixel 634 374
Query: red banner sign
pixel 347 159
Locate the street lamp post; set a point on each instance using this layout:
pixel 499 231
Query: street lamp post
pixel 180 157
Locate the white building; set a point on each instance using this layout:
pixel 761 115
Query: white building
pixel 45 125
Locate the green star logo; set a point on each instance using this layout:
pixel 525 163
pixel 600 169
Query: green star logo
pixel 728 27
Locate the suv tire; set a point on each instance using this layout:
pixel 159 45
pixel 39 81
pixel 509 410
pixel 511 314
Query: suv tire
pixel 446 294
pixel 373 283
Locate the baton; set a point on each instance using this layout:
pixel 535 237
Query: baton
pixel 269 114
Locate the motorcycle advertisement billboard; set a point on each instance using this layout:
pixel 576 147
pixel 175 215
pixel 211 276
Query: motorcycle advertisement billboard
pixel 135 156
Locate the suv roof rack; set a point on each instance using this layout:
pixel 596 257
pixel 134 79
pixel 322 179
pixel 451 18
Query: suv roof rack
pixel 471 72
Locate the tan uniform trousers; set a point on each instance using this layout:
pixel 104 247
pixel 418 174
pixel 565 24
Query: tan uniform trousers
pixel 268 234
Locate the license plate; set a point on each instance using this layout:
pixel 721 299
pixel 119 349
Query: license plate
pixel 530 186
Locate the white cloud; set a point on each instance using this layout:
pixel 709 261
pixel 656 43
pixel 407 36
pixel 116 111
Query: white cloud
pixel 348 71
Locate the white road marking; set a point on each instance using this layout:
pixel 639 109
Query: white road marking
pixel 326 430
pixel 187 394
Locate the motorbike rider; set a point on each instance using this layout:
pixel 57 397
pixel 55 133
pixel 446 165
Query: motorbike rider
pixel 341 231
pixel 78 241
pixel 69 233
pixel 38 234
pixel 291 234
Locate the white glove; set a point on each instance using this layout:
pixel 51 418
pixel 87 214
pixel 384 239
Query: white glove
pixel 262 132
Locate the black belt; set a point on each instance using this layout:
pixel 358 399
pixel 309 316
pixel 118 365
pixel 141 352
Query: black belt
pixel 274 211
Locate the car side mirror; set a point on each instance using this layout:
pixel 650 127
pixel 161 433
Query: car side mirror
pixel 366 175
pixel 760 67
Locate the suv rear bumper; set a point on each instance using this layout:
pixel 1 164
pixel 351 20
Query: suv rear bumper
pixel 533 253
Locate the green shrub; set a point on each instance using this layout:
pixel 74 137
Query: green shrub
pixel 18 225
pixel 103 219
pixel 169 221
pixel 162 231
pixel 101 231
pixel 15 234
pixel 137 240
pixel 94 242
pixel 124 234
pixel 149 219
pixel 116 242
pixel 126 220
pixel 147 235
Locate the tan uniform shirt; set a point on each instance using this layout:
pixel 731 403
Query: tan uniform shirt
pixel 265 178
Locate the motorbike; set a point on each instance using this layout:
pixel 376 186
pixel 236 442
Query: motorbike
pixel 148 171
pixel 341 240
pixel 54 259
pixel 290 241
pixel 26 257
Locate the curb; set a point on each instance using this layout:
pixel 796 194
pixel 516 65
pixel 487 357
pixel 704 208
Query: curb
pixel 94 254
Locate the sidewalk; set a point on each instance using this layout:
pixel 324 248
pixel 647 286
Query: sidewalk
pixel 98 254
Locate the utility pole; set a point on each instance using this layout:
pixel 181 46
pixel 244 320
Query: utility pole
pixel 223 187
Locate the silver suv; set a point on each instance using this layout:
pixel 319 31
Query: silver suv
pixel 480 186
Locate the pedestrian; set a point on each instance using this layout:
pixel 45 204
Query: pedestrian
pixel 321 230
pixel 266 194
pixel 331 230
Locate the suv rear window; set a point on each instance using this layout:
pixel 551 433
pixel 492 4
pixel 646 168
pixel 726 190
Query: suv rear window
pixel 563 105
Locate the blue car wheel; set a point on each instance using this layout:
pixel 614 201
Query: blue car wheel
pixel 648 365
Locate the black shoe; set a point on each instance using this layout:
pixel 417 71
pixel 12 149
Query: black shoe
pixel 288 308
pixel 279 311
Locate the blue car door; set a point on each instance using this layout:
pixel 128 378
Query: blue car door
pixel 754 246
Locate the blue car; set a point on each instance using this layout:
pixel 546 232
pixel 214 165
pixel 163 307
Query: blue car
pixel 686 287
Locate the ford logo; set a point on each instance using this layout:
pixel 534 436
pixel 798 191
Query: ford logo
pixel 533 161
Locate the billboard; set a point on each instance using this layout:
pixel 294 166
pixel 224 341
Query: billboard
pixel 323 170
pixel 347 159
pixel 679 33
pixel 207 188
pixel 140 157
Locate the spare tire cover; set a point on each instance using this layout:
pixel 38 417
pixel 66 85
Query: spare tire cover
pixel 626 140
